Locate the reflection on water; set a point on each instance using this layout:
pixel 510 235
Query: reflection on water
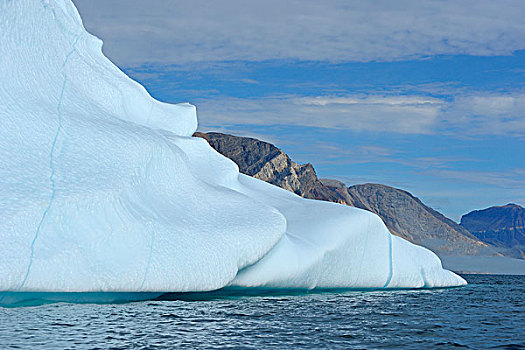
pixel 489 312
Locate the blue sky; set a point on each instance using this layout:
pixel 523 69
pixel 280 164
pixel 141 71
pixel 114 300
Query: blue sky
pixel 426 96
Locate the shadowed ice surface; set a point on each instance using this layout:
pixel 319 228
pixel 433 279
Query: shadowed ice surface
pixel 488 313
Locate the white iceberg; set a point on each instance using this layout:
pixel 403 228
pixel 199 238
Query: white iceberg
pixel 103 189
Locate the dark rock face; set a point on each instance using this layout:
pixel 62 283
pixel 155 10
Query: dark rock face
pixel 404 215
pixel 266 162
pixel 502 226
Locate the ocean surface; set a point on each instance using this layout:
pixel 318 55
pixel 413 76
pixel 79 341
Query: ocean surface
pixel 488 313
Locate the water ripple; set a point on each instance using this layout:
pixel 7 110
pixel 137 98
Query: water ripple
pixel 488 313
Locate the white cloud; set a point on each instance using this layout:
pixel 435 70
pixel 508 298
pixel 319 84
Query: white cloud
pixel 492 114
pixel 184 31
pixel 370 100
pixel 466 115
pixel 412 116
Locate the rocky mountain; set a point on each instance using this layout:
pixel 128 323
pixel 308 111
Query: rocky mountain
pixel 266 162
pixel 404 214
pixel 502 226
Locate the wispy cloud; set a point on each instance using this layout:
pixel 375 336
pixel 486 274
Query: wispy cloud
pixel 514 178
pixel 322 152
pixel 249 81
pixel 188 31
pixel 355 114
pixel 482 114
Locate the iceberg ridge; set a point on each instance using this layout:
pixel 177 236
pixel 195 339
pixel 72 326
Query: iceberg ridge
pixel 103 189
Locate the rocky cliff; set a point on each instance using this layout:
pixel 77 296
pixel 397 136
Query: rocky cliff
pixel 266 162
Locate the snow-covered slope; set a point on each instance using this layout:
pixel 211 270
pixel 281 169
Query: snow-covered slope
pixel 102 188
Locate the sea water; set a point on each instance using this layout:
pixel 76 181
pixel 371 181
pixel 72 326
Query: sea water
pixel 488 313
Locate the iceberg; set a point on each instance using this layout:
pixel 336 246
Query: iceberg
pixel 103 189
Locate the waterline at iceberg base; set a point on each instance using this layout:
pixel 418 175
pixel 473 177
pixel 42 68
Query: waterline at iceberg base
pixel 27 299
pixel 103 189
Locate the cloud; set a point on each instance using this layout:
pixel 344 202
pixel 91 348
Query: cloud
pixel 337 152
pixel 513 178
pixel 185 31
pixel 464 115
pixel 495 113
pixel 327 152
pixel 249 81
pixel 360 114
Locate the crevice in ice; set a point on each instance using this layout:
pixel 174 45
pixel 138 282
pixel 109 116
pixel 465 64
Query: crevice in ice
pixel 51 160
pixel 391 273
pixel 53 187
pixel 424 278
pixel 148 264
pixel 48 7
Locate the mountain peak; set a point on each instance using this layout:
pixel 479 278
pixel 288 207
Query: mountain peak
pixel 502 226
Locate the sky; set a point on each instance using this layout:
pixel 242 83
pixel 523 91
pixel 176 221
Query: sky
pixel 427 96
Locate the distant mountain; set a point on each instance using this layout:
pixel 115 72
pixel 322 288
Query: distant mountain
pixel 502 226
pixel 404 215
